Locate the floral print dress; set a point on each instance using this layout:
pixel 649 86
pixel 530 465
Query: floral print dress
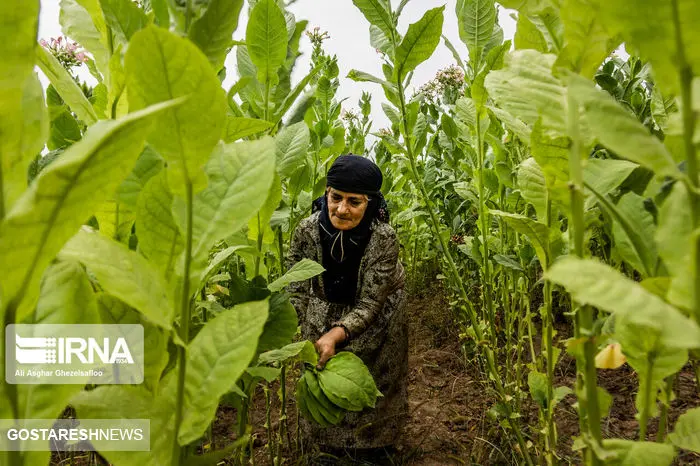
pixel 377 327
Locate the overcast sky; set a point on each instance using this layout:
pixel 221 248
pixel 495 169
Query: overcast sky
pixel 349 40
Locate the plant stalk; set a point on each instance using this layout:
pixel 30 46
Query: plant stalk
pixel 185 310
pixel 585 317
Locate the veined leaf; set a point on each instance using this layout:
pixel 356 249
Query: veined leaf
pixel 237 173
pixel 380 41
pixel 281 324
pixel 631 453
pixel 25 124
pixel 654 41
pixel 66 86
pixel 525 87
pixel 124 274
pixel 362 77
pixel 124 18
pixel 533 186
pixel 376 12
pixel 147 166
pixel 63 196
pixel 292 146
pixel 527 36
pixel 633 230
pixel 303 349
pixel 586 43
pixel 241 127
pixel 686 433
pixel 302 270
pixel 77 23
pixel 134 402
pixel 594 283
pixel 552 156
pixel 476 20
pixel 620 131
pixel 160 239
pixel 347 382
pixel 161 66
pixel 213 32
pixel 512 123
pixel 420 42
pixel 606 175
pixel 266 39
pixel 217 357
pixel 155 357
pixel 259 224
pixel 674 238
pixel 537 233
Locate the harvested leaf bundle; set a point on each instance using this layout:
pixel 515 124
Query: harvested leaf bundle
pixel 344 385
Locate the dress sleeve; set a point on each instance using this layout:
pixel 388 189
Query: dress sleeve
pixel 301 290
pixel 376 286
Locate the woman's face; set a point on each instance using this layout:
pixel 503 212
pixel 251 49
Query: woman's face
pixel 346 209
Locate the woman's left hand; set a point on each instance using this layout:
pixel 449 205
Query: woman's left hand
pixel 326 345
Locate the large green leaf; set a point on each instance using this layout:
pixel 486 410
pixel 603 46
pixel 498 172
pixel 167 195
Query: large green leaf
pixel 124 274
pixel 66 296
pixel 266 39
pixel 631 453
pixel 674 238
pixel 78 24
pixel 619 130
pixel 476 20
pixel 657 41
pixel 281 325
pixel 378 15
pixel 19 21
pixel 330 412
pixel 420 42
pixel 133 402
pixel 292 146
pixel 586 43
pixel 537 233
pixel 304 350
pixel 606 175
pixel 552 155
pixel 217 357
pixel 686 432
pixel 259 225
pixel 155 339
pixel 302 270
pixel 161 66
pixel 347 382
pixel 633 230
pixel 160 239
pixel 526 88
pixel 241 127
pixel 213 32
pixel 64 196
pixel 533 186
pixel 124 18
pixel 527 36
pixel 597 284
pixel 66 86
pixel 25 125
pixel 238 174
pixel 148 165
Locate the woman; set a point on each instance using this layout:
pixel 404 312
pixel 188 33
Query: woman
pixel 357 303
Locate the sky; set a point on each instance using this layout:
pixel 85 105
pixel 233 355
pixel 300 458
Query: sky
pixel 349 40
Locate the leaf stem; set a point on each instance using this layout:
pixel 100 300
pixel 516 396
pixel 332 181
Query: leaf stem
pixel 644 415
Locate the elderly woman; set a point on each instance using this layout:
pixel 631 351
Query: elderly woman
pixel 357 303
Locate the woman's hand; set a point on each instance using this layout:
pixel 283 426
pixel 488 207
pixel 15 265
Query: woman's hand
pixel 326 345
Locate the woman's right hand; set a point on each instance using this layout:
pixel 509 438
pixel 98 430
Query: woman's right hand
pixel 326 345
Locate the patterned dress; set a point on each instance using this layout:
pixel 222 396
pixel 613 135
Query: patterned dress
pixel 378 332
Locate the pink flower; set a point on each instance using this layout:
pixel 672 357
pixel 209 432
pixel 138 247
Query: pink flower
pixel 80 56
pixel 43 43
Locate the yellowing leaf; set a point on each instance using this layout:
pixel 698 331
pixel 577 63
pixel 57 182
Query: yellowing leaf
pixel 610 357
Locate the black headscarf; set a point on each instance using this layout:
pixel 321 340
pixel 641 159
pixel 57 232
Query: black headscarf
pixel 343 250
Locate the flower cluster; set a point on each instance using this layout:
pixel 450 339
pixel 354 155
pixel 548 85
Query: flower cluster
pixel 348 115
pixel 447 80
pixel 68 53
pixel 457 239
pixel 317 37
